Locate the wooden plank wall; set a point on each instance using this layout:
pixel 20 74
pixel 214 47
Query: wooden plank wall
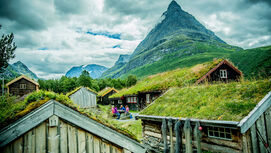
pixel 152 135
pixel 62 138
pixel 84 98
pixel 258 138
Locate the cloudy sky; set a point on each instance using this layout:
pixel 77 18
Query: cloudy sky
pixel 54 35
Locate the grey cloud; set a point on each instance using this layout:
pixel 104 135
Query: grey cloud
pixel 70 7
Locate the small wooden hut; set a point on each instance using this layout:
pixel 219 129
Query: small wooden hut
pixel 54 127
pixel 22 86
pixel 183 120
pixel 104 94
pixel 83 97
pixel 224 72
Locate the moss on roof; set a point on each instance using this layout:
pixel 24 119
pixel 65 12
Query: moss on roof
pixel 232 101
pixel 176 78
pixel 11 111
pixel 76 89
pixel 105 91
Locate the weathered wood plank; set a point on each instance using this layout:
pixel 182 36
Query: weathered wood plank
pixel 40 138
pixel 188 138
pixel 164 134
pixel 126 151
pixel 220 149
pixel 18 145
pixel 72 139
pixel 82 141
pixel 254 139
pixel 178 134
pixel 99 129
pixel 29 142
pixel 170 124
pixel 260 108
pixel 96 145
pixel 26 123
pixel 197 137
pixel 53 140
pixel 90 143
pixel 107 148
pixel 63 137
pixel 246 142
pixel 261 132
pixel 8 149
pixel 268 125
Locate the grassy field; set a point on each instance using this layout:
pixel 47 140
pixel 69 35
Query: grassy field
pixel 232 101
pixel 163 81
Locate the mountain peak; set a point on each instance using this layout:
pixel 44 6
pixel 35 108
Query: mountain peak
pixel 173 6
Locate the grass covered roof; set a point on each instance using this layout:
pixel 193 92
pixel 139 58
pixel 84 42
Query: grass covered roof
pixel 105 91
pixel 11 111
pixel 76 89
pixel 231 102
pixel 163 81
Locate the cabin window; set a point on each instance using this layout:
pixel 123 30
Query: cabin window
pixel 223 74
pixel 22 86
pixel 148 99
pixel 131 99
pixel 220 133
pixel 119 101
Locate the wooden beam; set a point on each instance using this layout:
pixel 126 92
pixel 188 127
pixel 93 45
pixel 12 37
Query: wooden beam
pixel 197 135
pixel 170 124
pixel 188 137
pixel 164 133
pixel 254 139
pixel 218 123
pixel 178 134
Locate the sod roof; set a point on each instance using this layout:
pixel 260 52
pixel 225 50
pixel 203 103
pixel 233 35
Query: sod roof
pixel 76 89
pixel 163 81
pixel 106 91
pixel 11 111
pixel 231 102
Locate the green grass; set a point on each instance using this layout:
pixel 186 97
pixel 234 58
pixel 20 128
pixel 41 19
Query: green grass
pixel 232 101
pixel 254 63
pixel 163 81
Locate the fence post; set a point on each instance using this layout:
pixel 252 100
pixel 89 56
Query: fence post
pixel 197 135
pixel 188 137
pixel 178 134
pixel 171 135
pixel 164 132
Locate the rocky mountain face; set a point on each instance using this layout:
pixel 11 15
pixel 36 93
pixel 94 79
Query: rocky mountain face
pixel 177 35
pixel 17 69
pixel 95 71
pixel 122 60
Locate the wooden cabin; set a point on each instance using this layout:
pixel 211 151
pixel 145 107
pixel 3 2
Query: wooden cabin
pixel 54 127
pixel 83 97
pixel 104 94
pixel 130 100
pixel 22 86
pixel 224 72
pixel 226 129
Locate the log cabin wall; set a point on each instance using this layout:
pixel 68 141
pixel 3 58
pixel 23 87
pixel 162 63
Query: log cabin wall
pixel 14 88
pixel 105 100
pixel 62 137
pixel 232 75
pixel 153 137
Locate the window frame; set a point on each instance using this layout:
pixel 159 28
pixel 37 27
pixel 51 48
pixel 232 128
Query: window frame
pixel 148 98
pixel 226 132
pixel 223 74
pixel 22 86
